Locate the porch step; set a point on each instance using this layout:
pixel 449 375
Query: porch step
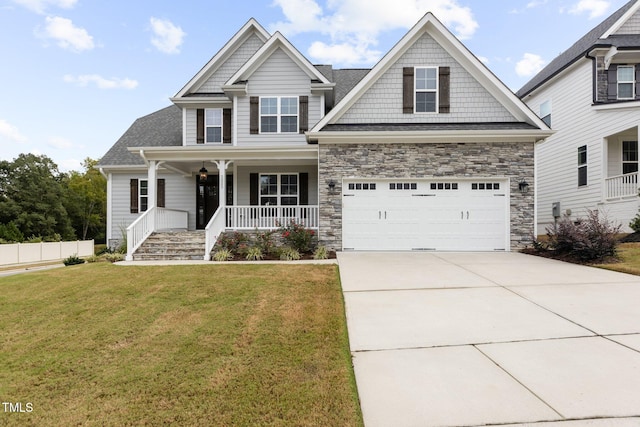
pixel 172 245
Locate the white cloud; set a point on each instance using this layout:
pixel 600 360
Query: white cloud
pixel 67 35
pixel 40 6
pixel 355 25
pixel 101 82
pixel 68 165
pixel 7 130
pixel 529 65
pixel 167 37
pixel 595 8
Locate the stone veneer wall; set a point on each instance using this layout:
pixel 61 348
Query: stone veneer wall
pixel 400 160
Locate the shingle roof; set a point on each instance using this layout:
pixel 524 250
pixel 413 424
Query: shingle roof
pixel 578 50
pixel 159 129
pixel 391 127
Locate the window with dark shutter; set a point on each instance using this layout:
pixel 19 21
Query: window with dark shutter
pixel 407 90
pixel 200 126
pixel 254 115
pixel 160 193
pixel 226 126
pixel 133 196
pixel 443 89
pixel 304 113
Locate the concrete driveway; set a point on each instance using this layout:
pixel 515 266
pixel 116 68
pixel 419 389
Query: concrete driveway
pixel 470 339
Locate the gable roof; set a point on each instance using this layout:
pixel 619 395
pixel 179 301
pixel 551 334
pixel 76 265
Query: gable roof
pixel 160 129
pixel 251 27
pixel 429 24
pixel 276 41
pixel 600 35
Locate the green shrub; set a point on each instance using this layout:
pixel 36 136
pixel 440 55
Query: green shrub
pixel 254 253
pixel 635 223
pixel 297 236
pixel 289 254
pixel 34 239
pixel 73 260
pixel 264 240
pixel 10 233
pixel 321 252
pixel 591 239
pixel 222 255
pixel 114 257
pixel 93 258
pixel 234 242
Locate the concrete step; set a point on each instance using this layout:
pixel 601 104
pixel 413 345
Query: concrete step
pixel 172 245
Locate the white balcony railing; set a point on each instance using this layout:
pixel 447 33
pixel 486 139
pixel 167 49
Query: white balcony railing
pixel 622 186
pixel 150 221
pixel 270 217
pixel 215 226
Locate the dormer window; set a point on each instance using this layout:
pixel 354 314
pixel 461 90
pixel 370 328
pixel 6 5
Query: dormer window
pixel 426 89
pixel 626 82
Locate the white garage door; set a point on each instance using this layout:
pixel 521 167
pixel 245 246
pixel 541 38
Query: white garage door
pixel 404 214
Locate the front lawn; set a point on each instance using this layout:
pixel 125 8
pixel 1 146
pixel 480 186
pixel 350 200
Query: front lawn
pixel 224 345
pixel 629 259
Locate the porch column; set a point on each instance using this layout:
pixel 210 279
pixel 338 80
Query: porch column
pixel 222 181
pixel 151 185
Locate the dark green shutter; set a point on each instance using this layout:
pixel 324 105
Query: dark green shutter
pixel 200 126
pixel 304 113
pixel 444 89
pixel 612 83
pixel 133 195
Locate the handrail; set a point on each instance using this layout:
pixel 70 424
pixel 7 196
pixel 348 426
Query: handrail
pixel 150 221
pixel 622 185
pixel 213 229
pixel 139 230
pixel 271 217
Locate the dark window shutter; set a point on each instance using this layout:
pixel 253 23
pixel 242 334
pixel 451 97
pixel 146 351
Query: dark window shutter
pixel 253 189
pixel 612 83
pixel 229 190
pixel 304 189
pixel 133 195
pixel 160 193
pixel 200 126
pixel 226 126
pixel 254 116
pixel 304 114
pixel 407 90
pixel 444 78
pixel 637 81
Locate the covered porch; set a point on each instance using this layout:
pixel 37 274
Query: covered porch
pixel 621 165
pixel 248 188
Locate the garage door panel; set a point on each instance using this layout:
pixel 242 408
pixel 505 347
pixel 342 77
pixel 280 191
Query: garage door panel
pixel 427 215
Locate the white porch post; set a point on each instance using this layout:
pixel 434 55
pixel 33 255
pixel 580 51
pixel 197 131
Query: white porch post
pixel 151 185
pixel 222 181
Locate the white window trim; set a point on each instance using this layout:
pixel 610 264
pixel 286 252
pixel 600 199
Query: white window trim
pixel 141 196
pixel 632 81
pixel 279 115
pixel 623 161
pixel 206 126
pixel 416 90
pixel 279 194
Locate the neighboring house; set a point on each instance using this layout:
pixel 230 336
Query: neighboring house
pixel 426 151
pixel 590 97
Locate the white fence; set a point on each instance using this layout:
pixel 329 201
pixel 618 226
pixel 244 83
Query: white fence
pixel 20 253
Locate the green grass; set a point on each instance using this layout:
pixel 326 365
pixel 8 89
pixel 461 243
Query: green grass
pixel 232 345
pixel 629 254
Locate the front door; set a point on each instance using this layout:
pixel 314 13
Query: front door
pixel 207 200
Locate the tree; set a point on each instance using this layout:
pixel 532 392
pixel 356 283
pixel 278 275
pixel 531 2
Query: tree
pixel 31 197
pixel 86 201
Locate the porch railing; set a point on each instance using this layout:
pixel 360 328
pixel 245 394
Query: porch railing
pixel 270 217
pixel 622 186
pixel 150 221
pixel 215 226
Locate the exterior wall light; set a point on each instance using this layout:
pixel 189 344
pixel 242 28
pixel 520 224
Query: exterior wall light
pixel 523 186
pixel 204 173
pixel 332 185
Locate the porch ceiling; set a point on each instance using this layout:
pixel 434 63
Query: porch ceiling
pixel 200 153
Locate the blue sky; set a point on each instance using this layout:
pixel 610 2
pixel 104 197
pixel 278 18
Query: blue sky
pixel 76 73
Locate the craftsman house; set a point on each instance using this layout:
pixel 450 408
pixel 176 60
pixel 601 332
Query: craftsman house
pixel 428 150
pixel 590 97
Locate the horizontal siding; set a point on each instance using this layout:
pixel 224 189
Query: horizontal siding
pixel 231 65
pixel 469 100
pixel 191 126
pixel 243 173
pixel 180 194
pixel 576 123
